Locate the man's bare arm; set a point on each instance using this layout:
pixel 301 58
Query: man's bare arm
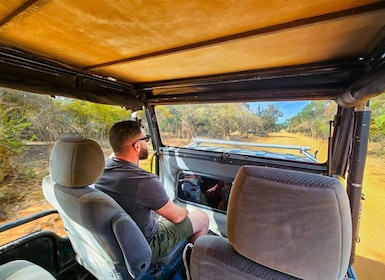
pixel 173 212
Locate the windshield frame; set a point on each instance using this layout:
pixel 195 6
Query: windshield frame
pixel 251 143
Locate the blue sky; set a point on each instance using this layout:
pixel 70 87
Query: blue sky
pixel 288 108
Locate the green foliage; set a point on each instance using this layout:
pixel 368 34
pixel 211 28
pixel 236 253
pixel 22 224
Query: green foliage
pixel 10 141
pixel 49 118
pixel 216 120
pixel 30 117
pixel 90 120
pixel 27 116
pixel 269 117
pixel 38 110
pixel 314 119
pixel 377 126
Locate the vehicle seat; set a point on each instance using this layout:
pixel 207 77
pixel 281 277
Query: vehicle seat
pixel 281 224
pixel 22 269
pixel 107 242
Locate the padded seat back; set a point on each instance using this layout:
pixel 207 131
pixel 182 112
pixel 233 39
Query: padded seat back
pixel 106 240
pixel 294 223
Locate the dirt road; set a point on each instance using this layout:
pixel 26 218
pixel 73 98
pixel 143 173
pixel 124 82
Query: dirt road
pixel 370 252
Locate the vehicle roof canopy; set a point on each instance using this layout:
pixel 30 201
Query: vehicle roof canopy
pixel 145 52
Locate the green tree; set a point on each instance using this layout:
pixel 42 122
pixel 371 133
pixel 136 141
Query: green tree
pixel 90 120
pixel 50 118
pixel 248 121
pixel 314 119
pixel 12 126
pixel 11 143
pixel 269 117
pixel 377 126
pixel 223 119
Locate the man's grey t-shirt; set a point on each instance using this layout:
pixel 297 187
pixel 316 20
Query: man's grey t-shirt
pixel 137 191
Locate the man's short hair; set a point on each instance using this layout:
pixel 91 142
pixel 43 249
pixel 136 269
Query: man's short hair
pixel 121 134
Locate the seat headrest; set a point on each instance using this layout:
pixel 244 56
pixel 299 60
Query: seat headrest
pixel 76 162
pixel 294 222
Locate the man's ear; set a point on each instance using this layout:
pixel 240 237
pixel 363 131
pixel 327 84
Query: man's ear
pixel 136 146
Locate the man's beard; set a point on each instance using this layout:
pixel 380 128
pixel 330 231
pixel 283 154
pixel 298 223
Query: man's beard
pixel 143 154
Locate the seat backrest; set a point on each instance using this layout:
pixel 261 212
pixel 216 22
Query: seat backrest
pixel 106 240
pixel 293 222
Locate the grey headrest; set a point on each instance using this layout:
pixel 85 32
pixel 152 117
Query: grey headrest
pixel 76 162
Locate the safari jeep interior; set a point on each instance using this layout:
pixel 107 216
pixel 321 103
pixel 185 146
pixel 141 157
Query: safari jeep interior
pixel 277 210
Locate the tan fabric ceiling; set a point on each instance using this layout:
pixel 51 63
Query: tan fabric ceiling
pixel 146 41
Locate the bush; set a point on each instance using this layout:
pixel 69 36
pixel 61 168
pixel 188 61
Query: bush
pixel 10 143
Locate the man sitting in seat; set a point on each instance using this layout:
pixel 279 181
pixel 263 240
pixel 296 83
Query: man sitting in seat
pixel 141 194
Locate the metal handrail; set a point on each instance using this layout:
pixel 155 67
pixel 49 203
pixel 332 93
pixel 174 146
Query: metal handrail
pixel 303 149
pixel 197 142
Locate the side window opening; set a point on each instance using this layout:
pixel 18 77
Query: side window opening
pixel 30 124
pixel 204 190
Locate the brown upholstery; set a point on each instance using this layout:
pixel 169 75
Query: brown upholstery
pixel 291 222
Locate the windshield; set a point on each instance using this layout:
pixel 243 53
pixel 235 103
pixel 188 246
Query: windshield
pixel 291 130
